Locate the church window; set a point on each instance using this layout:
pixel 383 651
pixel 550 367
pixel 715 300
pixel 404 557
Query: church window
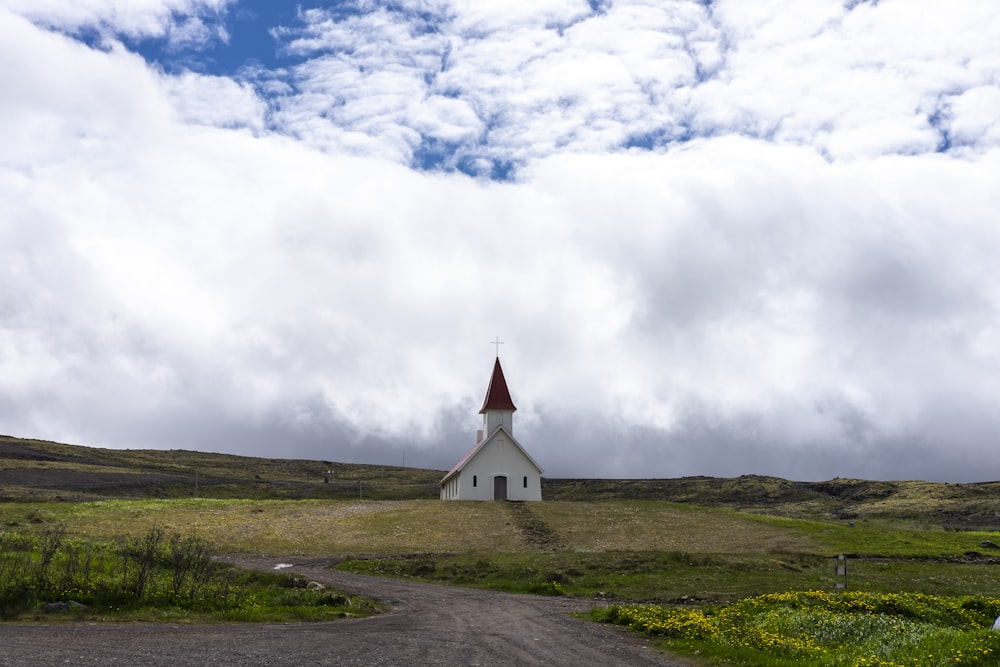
pixel 525 481
pixel 473 480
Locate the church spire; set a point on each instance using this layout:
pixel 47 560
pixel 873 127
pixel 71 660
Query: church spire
pixel 497 394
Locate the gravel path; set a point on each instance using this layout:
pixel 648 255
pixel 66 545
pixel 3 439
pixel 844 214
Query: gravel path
pixel 428 625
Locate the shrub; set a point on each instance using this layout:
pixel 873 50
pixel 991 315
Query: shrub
pixel 150 575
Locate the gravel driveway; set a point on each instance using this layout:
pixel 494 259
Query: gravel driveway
pixel 428 625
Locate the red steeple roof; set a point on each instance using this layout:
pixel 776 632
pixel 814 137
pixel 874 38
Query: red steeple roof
pixel 497 394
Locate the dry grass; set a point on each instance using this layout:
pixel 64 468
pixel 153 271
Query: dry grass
pixel 330 528
pixel 659 526
pixel 408 526
pixel 320 528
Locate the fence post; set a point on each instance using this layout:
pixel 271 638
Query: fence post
pixel 840 573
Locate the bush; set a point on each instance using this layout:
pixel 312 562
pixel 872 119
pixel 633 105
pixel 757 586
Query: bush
pixel 155 574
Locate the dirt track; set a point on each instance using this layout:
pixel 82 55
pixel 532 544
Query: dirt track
pixel 428 625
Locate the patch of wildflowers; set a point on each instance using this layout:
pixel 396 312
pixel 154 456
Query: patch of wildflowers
pixel 849 628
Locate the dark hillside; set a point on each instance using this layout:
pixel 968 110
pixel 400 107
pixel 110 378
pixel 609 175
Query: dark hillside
pixel 40 470
pixel 953 506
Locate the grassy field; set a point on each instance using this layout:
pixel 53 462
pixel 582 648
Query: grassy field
pixel 633 550
pixel 319 527
pixel 321 508
pixel 732 570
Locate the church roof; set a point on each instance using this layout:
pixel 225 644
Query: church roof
pixel 497 394
pixel 471 454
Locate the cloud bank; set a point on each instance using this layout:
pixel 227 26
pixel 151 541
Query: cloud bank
pixel 716 239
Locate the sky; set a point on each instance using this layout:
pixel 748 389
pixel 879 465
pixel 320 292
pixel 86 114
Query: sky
pixel 715 237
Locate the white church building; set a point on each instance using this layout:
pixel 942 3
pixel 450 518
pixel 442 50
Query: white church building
pixel 497 467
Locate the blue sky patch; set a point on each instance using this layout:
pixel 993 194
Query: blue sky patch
pixel 249 40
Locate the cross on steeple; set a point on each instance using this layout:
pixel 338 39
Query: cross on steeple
pixel 498 343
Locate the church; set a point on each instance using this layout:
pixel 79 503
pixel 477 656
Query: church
pixel 497 467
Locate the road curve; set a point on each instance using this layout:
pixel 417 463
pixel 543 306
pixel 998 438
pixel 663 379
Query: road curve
pixel 428 625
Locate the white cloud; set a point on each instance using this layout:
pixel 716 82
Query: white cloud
pixel 535 79
pixel 214 100
pixel 756 295
pixel 806 290
pixel 146 18
pixel 59 90
pixel 974 118
pixel 446 119
pixel 487 18
pixel 192 33
pixel 848 83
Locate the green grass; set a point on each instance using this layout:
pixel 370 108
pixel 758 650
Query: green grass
pixel 883 538
pixel 676 576
pixel 629 575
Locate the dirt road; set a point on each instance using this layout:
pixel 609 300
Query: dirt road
pixel 428 625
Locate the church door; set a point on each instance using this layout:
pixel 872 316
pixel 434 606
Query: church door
pixel 500 488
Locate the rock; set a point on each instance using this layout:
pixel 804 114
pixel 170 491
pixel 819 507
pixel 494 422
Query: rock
pixel 996 624
pixel 59 607
pixel 989 544
pixel 315 586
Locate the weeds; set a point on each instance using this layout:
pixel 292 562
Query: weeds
pixel 156 575
pixel 191 569
pixel 139 560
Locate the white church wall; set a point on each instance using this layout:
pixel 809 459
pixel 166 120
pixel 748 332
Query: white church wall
pixel 499 457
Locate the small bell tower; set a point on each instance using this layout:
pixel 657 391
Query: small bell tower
pixel 498 407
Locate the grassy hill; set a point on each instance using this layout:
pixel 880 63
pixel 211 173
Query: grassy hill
pixel 43 471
